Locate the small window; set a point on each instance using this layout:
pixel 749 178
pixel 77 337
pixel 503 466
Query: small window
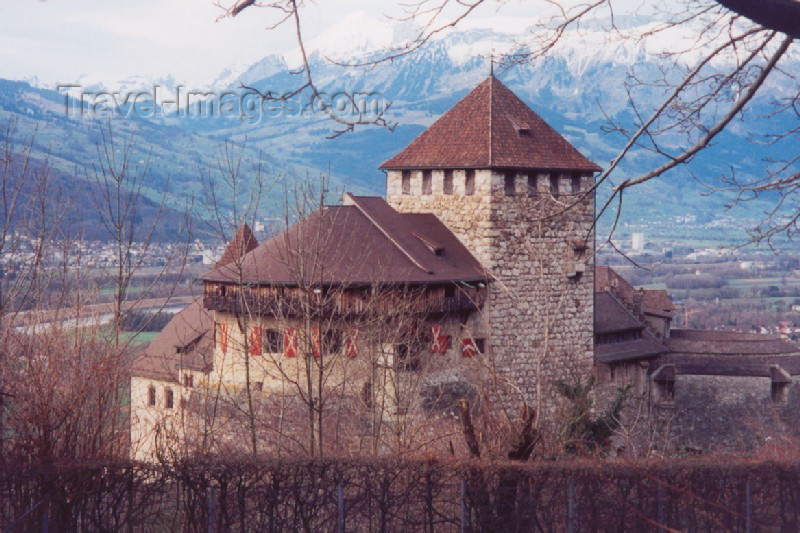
pixel 524 131
pixel 406 358
pixel 532 190
pixel 332 341
pixel 274 340
pixel 169 399
pixel 509 183
pixel 469 183
pixel 406 182
pixel 188 381
pixel 576 183
pixel 151 396
pixel 427 182
pixel 480 344
pixel 780 392
pixel 258 386
pixel 448 182
pixel 666 391
pixel 554 190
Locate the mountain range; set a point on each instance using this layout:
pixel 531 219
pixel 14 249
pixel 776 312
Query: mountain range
pixel 577 89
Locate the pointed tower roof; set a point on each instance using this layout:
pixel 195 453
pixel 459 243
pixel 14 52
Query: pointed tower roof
pixel 243 242
pixel 490 128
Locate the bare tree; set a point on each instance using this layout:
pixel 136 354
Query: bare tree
pixel 688 105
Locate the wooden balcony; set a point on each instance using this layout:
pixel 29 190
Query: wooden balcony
pixel 292 302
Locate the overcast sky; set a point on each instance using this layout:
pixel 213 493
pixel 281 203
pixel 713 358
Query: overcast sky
pixel 61 40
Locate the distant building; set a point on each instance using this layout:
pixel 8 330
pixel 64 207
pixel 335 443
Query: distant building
pixel 637 242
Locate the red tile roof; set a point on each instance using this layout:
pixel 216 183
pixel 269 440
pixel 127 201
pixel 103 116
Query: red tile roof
pixel 243 242
pixel 654 301
pixel 186 340
pixel 491 128
pixel 366 242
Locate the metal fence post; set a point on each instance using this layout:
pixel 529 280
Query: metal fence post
pixel 340 508
pixel 748 508
pixel 211 507
pixel 464 511
pixel 46 518
pixel 571 506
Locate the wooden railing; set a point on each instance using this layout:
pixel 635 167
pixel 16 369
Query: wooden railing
pixel 273 301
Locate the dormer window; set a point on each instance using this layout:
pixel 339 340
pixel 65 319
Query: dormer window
pixel 522 129
pixel 406 182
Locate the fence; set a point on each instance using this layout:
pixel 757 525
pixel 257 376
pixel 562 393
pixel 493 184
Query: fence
pixel 403 495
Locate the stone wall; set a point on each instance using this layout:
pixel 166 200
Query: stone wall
pixel 725 413
pixel 539 314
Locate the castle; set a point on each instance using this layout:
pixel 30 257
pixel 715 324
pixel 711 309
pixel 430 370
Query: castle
pixel 478 262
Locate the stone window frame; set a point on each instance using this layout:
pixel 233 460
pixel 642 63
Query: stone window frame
pixel 405 182
pixel 188 380
pixel 169 398
pixel 151 395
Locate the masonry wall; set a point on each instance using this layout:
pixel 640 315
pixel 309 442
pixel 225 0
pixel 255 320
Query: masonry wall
pixel 539 314
pixel 726 413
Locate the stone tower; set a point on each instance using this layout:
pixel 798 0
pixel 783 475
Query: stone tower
pixel 518 196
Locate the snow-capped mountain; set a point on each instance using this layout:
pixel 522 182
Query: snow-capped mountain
pixel 576 87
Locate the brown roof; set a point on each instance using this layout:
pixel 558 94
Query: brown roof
pixel 611 316
pixel 490 128
pixel 363 242
pixel 654 301
pixel 185 342
pixel 243 241
pixel 728 343
pixel 644 348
